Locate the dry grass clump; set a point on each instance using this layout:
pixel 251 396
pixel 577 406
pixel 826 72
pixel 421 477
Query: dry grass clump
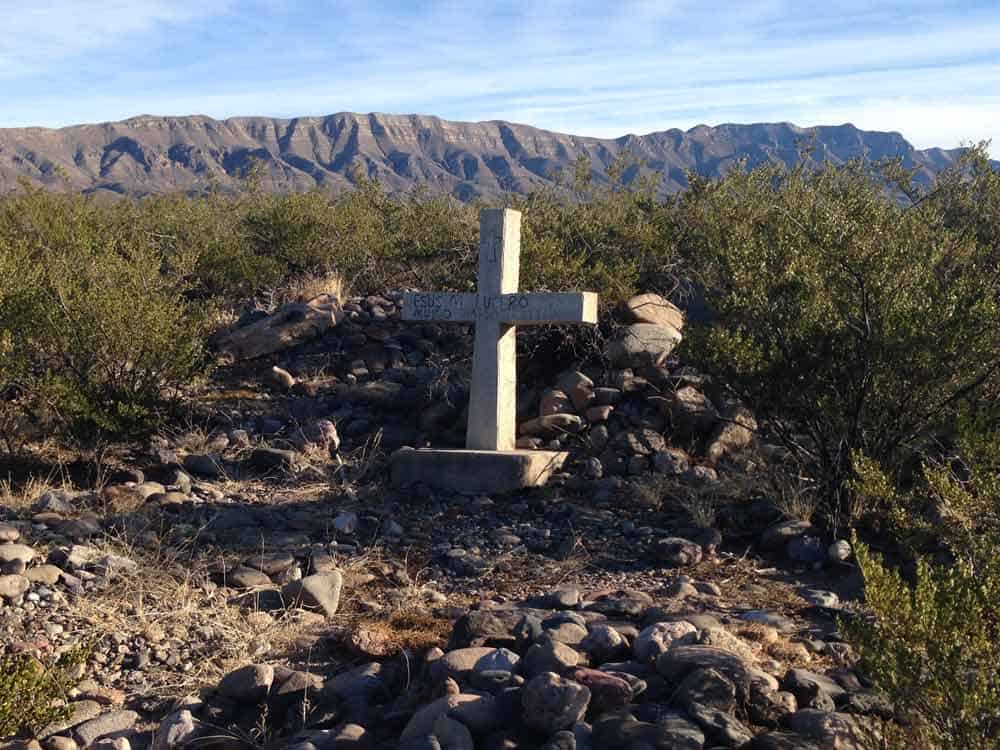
pixel 792 653
pixel 795 496
pixel 408 629
pixel 308 287
pixel 21 497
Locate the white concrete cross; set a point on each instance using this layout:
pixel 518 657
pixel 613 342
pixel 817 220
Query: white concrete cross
pixel 496 308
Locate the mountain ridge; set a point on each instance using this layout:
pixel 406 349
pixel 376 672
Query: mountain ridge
pixel 157 154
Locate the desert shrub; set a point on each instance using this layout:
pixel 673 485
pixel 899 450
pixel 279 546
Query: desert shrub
pixel 610 238
pixel 934 644
pixel 207 235
pixel 33 695
pixel 847 320
pixel 98 330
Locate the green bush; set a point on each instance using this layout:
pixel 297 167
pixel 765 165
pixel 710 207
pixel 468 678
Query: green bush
pixel 98 333
pixel 933 647
pixel 848 321
pixel 33 695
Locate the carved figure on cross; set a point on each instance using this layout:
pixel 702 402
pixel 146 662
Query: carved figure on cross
pixel 497 308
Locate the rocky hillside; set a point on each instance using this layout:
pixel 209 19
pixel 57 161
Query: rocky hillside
pixel 147 154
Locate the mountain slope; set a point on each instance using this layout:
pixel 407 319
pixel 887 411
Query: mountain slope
pixel 150 154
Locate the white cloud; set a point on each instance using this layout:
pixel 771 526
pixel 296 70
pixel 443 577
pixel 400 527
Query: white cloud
pixel 39 34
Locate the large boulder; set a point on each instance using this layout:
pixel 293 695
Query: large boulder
pixel 642 344
pixel 290 325
pixel 652 308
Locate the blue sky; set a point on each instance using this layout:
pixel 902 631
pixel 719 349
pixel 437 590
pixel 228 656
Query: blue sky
pixel 930 70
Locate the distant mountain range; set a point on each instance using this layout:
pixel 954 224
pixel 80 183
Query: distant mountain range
pixel 149 154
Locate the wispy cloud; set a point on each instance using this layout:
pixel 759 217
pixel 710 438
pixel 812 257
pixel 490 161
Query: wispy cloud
pixel 39 36
pixel 930 70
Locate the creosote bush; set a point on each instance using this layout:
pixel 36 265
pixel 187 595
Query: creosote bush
pixel 848 320
pixel 96 328
pixel 33 695
pixel 934 644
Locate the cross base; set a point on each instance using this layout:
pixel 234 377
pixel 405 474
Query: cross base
pixel 475 471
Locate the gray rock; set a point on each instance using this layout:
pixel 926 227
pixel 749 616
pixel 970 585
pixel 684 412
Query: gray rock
pixel 79 712
pixel 720 728
pixel 835 730
pixel 642 344
pixel 608 692
pixel 13 586
pixel 652 308
pixel 250 683
pixel 806 549
pixel 8 533
pixel 769 708
pixel 320 590
pixel 806 686
pixel 53 501
pixel 660 637
pixel 247 578
pixel 821 598
pixel 111 724
pixel 358 684
pixel 670 732
pixel 271 563
pixel 21 553
pixel 79 528
pixel 453 735
pixel 603 643
pixel 679 661
pixel 421 724
pixel 497 659
pixel 691 412
pixel 204 465
pixel 708 688
pixel 552 703
pixel 175 731
pixel 677 552
pixel 775 539
pixel 839 551
pixel 268 459
pixel 549 656
pixel 772 619
pixel 458 664
pixel 570 633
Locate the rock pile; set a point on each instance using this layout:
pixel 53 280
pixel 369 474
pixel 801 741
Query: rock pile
pixel 631 410
pixel 567 669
